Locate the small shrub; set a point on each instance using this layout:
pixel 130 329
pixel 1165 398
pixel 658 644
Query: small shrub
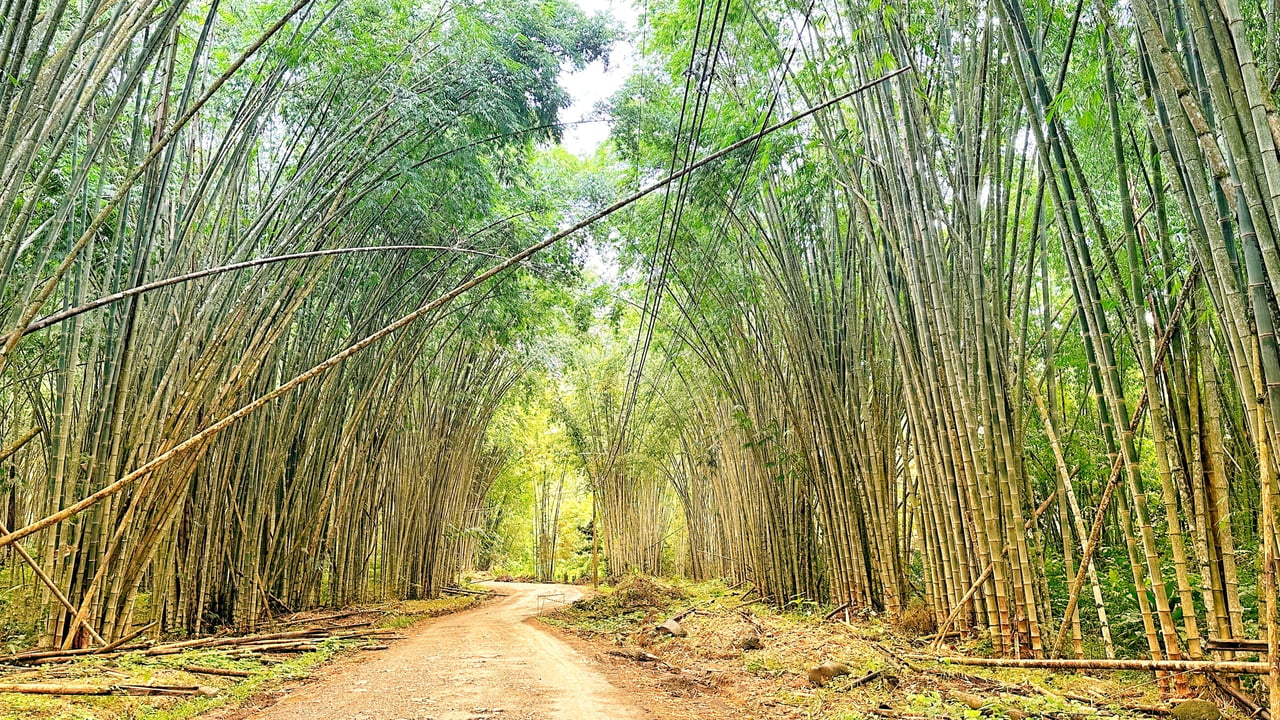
pixel 917 619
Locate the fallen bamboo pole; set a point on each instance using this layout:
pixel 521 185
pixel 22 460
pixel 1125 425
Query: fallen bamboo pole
pixel 1223 666
pixel 47 689
pixel 208 642
pixel 224 672
pixel 71 689
pixel 1244 645
pixel 164 690
pixel 269 642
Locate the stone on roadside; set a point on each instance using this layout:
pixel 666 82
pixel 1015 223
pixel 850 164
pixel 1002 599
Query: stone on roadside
pixel 748 640
pixel 820 674
pixel 1196 710
pixel 673 628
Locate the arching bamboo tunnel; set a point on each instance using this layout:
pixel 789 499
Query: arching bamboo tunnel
pixel 960 313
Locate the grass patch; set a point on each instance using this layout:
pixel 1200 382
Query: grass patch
pixel 407 613
pixel 398 621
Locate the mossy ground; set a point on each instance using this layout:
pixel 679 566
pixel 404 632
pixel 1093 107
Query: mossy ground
pixel 772 682
pixel 136 669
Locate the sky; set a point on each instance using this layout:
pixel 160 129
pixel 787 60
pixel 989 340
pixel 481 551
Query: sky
pixel 594 83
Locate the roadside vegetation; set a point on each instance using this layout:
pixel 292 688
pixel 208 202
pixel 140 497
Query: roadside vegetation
pixel 765 660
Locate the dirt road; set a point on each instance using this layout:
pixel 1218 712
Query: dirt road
pixel 486 663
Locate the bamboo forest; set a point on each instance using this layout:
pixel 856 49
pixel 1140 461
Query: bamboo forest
pixel 908 359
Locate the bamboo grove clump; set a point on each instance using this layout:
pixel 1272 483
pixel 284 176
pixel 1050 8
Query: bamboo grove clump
pixel 994 333
pixel 629 496
pixel 146 141
pixel 549 499
pixel 767 444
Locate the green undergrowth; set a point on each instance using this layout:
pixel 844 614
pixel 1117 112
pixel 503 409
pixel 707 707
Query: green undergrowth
pixel 19 616
pixel 408 612
pixel 139 669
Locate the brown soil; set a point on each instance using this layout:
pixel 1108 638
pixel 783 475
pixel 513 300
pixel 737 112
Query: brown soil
pixel 491 663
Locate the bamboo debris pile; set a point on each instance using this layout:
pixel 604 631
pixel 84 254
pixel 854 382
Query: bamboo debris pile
pixel 291 641
pixel 258 649
pixel 889 678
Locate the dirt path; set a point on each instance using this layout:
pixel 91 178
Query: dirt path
pixel 487 663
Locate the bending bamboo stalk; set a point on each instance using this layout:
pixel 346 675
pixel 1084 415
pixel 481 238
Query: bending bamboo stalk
pixel 7 452
pixel 60 316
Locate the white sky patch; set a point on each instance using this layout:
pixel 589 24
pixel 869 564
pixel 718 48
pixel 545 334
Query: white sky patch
pixel 594 83
pixel 1025 142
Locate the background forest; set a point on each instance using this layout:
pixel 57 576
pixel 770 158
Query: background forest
pixel 963 309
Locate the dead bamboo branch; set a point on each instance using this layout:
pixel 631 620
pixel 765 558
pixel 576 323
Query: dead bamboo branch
pixel 224 672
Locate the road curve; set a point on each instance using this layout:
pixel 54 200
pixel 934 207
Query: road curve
pixel 481 664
